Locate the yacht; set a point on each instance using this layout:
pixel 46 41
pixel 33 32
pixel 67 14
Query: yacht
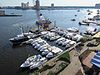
pixel 45 52
pixel 38 63
pixel 49 55
pixel 21 38
pixel 73 29
pixel 31 60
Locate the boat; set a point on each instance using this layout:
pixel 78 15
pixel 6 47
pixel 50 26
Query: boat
pixel 56 50
pixel 30 60
pixel 73 29
pixel 90 31
pixel 38 63
pixel 66 42
pixel 97 17
pixel 21 38
pixel 81 23
pixel 45 52
pixel 27 62
pixel 73 19
pixel 77 37
pixel 49 55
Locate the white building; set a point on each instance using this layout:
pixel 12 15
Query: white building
pixel 25 5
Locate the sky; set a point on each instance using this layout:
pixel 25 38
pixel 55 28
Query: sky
pixel 48 2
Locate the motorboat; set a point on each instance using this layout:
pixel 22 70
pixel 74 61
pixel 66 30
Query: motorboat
pixel 73 29
pixel 73 19
pixel 45 52
pixel 66 42
pixel 27 62
pixel 90 31
pixel 21 38
pixel 77 37
pixel 67 46
pixel 72 42
pixel 97 17
pixel 38 63
pixel 30 60
pixel 59 40
pixel 29 41
pixel 54 38
pixel 49 55
pixel 81 23
pixel 70 35
pixel 56 50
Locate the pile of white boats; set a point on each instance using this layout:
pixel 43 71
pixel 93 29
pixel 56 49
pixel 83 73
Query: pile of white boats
pixel 46 51
pixel 57 36
pixel 34 62
pixel 22 37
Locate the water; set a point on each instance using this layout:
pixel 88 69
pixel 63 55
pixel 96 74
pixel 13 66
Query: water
pixel 12 57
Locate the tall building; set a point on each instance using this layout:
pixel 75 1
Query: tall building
pixel 52 5
pixel 97 5
pixel 25 5
pixel 37 6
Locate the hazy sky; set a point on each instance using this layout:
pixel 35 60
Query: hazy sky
pixel 48 2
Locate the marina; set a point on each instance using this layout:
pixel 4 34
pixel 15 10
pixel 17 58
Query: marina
pixel 35 49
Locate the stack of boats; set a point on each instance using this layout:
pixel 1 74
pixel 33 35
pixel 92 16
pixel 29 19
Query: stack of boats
pixel 34 62
pixel 65 38
pixel 47 52
pixel 22 37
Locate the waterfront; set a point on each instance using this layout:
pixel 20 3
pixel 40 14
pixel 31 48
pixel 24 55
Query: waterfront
pixel 12 57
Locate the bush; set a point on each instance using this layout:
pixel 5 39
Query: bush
pixel 65 57
pixel 51 73
pixel 46 67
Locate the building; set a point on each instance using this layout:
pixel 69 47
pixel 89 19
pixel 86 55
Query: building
pixel 2 12
pixel 37 5
pixel 52 5
pixel 97 5
pixel 25 5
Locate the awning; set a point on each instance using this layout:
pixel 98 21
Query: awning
pixel 96 60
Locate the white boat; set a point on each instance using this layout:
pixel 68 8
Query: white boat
pixel 21 38
pixel 59 40
pixel 67 46
pixel 77 37
pixel 73 29
pixel 38 63
pixel 30 60
pixel 45 52
pixel 29 41
pixel 70 35
pixel 27 62
pixel 66 42
pixel 91 30
pixel 49 55
pixel 56 50
pixel 72 42
pixel 97 17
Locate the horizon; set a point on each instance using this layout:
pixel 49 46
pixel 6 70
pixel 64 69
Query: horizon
pixel 49 2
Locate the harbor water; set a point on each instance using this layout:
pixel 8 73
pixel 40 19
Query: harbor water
pixel 12 57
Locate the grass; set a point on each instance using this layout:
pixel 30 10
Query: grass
pixel 65 57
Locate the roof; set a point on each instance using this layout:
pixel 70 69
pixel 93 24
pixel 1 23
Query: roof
pixel 97 35
pixel 87 60
pixel 96 59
